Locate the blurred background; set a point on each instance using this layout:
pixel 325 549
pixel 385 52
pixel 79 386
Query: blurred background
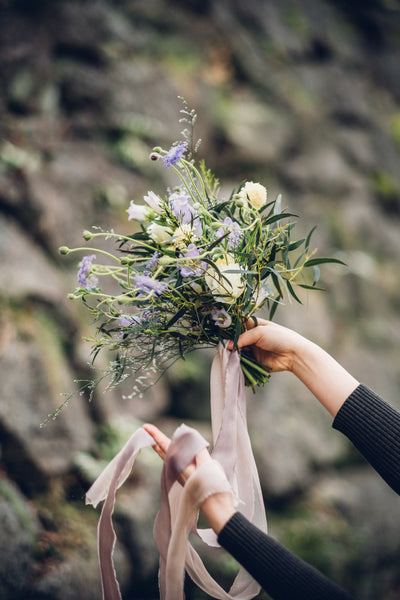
pixel 300 95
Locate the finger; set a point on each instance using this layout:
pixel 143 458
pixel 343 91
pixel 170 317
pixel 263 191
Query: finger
pixel 202 457
pixel 250 337
pixel 158 436
pixel 161 453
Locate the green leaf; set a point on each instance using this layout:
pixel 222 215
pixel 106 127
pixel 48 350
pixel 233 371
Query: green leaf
pixel 320 261
pixel 295 245
pixel 176 317
pixel 270 220
pixel 311 287
pixel 278 205
pixel 291 290
pixel 238 331
pixel 309 237
pixel 274 307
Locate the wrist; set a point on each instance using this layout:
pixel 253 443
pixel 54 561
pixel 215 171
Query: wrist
pixel 218 509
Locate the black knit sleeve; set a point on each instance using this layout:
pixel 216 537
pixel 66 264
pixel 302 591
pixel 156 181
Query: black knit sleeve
pixel 374 428
pixel 281 573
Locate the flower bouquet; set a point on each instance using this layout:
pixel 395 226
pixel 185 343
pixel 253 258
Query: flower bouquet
pixel 194 268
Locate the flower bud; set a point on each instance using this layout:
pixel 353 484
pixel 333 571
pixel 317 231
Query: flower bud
pixel 87 235
pixel 64 250
pixel 154 156
pixel 165 260
pixel 125 260
pixel 157 149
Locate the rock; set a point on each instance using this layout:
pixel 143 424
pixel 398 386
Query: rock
pixel 18 541
pixel 32 348
pixel 26 271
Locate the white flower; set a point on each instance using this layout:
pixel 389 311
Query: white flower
pixel 153 201
pixel 230 286
pixel 255 193
pixel 136 211
pixel 184 235
pixel 158 233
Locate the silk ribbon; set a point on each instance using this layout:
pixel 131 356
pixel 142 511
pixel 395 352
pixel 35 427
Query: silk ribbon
pixel 232 468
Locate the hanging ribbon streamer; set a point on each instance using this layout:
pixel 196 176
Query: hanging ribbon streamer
pixel 232 469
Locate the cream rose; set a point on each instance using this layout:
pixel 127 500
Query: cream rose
pixel 158 233
pixel 230 286
pixel 255 193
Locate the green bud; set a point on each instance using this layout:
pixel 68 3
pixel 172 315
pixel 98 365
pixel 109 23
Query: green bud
pixel 87 235
pixel 125 260
pixel 157 149
pixel 64 250
pixel 71 296
pixel 165 260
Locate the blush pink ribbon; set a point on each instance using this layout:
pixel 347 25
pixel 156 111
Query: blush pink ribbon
pixel 232 469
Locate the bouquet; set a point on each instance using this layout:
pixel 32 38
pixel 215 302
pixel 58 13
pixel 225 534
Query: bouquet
pixel 196 266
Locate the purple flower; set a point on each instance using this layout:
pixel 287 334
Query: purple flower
pixel 174 154
pixel 85 280
pixel 148 285
pixel 152 262
pixel 221 317
pixel 129 320
pixel 187 271
pixel 183 211
pixel 233 230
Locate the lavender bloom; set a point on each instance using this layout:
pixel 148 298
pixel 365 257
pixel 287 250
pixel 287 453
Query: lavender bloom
pixel 174 154
pixel 234 235
pixel 152 262
pixel 187 271
pixel 183 211
pixel 129 320
pixel 85 280
pixel 221 317
pixel 147 285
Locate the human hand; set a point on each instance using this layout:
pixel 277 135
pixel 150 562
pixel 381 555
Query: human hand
pixel 217 508
pixel 274 346
pixel 161 445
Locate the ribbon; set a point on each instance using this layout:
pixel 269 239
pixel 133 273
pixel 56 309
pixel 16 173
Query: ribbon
pixel 232 469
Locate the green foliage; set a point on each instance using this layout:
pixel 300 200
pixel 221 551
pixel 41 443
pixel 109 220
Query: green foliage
pixel 199 267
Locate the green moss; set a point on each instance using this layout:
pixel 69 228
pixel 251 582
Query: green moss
pixel 20 507
pixel 395 128
pixel 387 190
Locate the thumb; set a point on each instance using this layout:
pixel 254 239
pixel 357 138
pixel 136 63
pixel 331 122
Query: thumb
pixel 248 338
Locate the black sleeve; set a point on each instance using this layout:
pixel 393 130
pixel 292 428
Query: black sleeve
pixel 281 573
pixel 374 428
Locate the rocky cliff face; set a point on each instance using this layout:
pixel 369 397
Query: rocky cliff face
pixel 302 96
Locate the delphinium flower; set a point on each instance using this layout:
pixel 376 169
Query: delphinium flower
pixel 174 154
pixel 85 279
pixel 148 285
pixel 233 229
pixel 221 317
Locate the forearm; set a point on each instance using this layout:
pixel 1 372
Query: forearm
pixel 330 383
pixel 218 509
pixel 281 573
